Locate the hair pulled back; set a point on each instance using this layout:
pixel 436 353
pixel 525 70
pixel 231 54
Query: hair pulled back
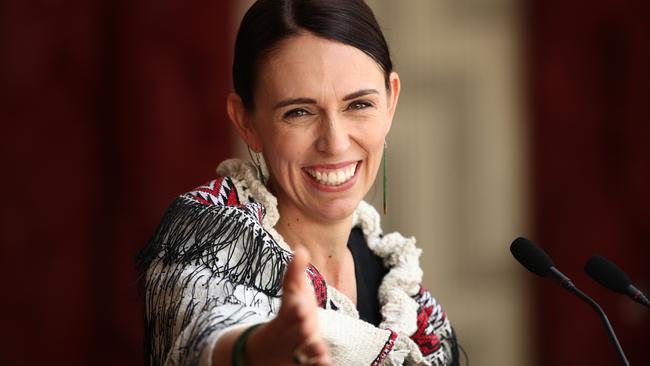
pixel 268 22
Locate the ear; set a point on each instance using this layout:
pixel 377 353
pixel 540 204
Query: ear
pixel 241 119
pixel 393 97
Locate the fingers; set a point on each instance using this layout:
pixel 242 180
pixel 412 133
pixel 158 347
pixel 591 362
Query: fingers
pixel 298 300
pixel 313 353
pixel 268 345
pixel 294 279
pixel 302 331
pixel 298 316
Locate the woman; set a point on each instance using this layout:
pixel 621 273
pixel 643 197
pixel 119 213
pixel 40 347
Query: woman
pixel 233 268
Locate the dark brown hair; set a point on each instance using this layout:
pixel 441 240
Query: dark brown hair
pixel 268 22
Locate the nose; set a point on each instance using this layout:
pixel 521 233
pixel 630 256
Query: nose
pixel 334 137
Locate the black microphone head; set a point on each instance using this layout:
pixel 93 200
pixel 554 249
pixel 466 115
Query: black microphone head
pixel 531 256
pixel 607 274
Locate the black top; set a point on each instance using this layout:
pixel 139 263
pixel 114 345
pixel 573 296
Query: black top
pixel 369 270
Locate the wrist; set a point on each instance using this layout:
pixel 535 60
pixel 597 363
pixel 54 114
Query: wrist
pixel 240 349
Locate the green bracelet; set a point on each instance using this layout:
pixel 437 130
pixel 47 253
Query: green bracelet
pixel 239 348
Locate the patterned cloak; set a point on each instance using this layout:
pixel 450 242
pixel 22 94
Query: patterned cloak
pixel 216 262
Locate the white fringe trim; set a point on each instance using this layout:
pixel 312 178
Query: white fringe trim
pixel 249 185
pixel 343 302
pixel 402 281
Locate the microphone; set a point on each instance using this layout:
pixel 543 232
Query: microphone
pixel 537 261
pixel 609 275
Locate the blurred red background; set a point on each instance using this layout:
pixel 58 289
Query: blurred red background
pixel 589 76
pixel 114 107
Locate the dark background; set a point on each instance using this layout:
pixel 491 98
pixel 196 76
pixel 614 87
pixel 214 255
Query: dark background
pixel 110 108
pixel 589 79
pixel 113 108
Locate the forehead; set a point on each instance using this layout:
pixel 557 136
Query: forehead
pixel 309 66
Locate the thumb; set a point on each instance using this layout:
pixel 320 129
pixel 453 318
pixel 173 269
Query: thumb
pixel 294 278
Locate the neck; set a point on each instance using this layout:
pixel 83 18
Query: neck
pixel 326 241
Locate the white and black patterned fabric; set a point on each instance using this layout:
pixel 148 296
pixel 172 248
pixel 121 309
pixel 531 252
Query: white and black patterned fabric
pixel 216 262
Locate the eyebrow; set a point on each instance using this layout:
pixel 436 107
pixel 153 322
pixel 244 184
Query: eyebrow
pixel 288 102
pixel 360 93
pixel 354 95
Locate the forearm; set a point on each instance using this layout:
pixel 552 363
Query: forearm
pixel 273 343
pixel 255 351
pixel 222 351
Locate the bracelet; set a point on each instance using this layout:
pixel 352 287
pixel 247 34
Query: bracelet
pixel 239 348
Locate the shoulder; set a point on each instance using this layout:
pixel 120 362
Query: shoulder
pixel 236 186
pixel 220 191
pixel 234 192
pixel 221 226
pixel 235 197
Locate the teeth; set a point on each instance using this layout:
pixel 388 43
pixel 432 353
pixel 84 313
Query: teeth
pixel 333 178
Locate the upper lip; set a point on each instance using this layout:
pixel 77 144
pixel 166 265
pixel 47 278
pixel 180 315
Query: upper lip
pixel 332 166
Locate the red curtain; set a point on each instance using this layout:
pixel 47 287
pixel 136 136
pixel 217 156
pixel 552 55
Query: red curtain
pixel 111 109
pixel 589 68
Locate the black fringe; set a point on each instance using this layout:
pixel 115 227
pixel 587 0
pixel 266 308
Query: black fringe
pixel 192 233
pixel 222 244
pixel 453 344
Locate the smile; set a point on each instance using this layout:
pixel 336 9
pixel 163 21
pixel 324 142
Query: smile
pixel 333 177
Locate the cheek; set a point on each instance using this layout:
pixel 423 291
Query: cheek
pixel 283 151
pixel 372 137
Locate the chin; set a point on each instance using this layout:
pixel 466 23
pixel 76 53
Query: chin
pixel 338 209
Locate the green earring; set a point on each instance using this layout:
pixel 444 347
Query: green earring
pixel 385 180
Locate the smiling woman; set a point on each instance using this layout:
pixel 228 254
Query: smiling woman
pixel 293 267
pixel 329 101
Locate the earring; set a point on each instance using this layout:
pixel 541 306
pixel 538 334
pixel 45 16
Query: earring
pixel 258 164
pixel 383 158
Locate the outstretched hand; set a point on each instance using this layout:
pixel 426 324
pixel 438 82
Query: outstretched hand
pixel 292 337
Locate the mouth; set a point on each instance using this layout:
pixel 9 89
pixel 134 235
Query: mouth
pixel 333 175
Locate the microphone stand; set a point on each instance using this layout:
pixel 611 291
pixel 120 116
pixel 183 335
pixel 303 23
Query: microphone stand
pixel 567 284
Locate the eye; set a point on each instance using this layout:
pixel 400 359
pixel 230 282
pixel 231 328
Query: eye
pixel 296 113
pixel 359 104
